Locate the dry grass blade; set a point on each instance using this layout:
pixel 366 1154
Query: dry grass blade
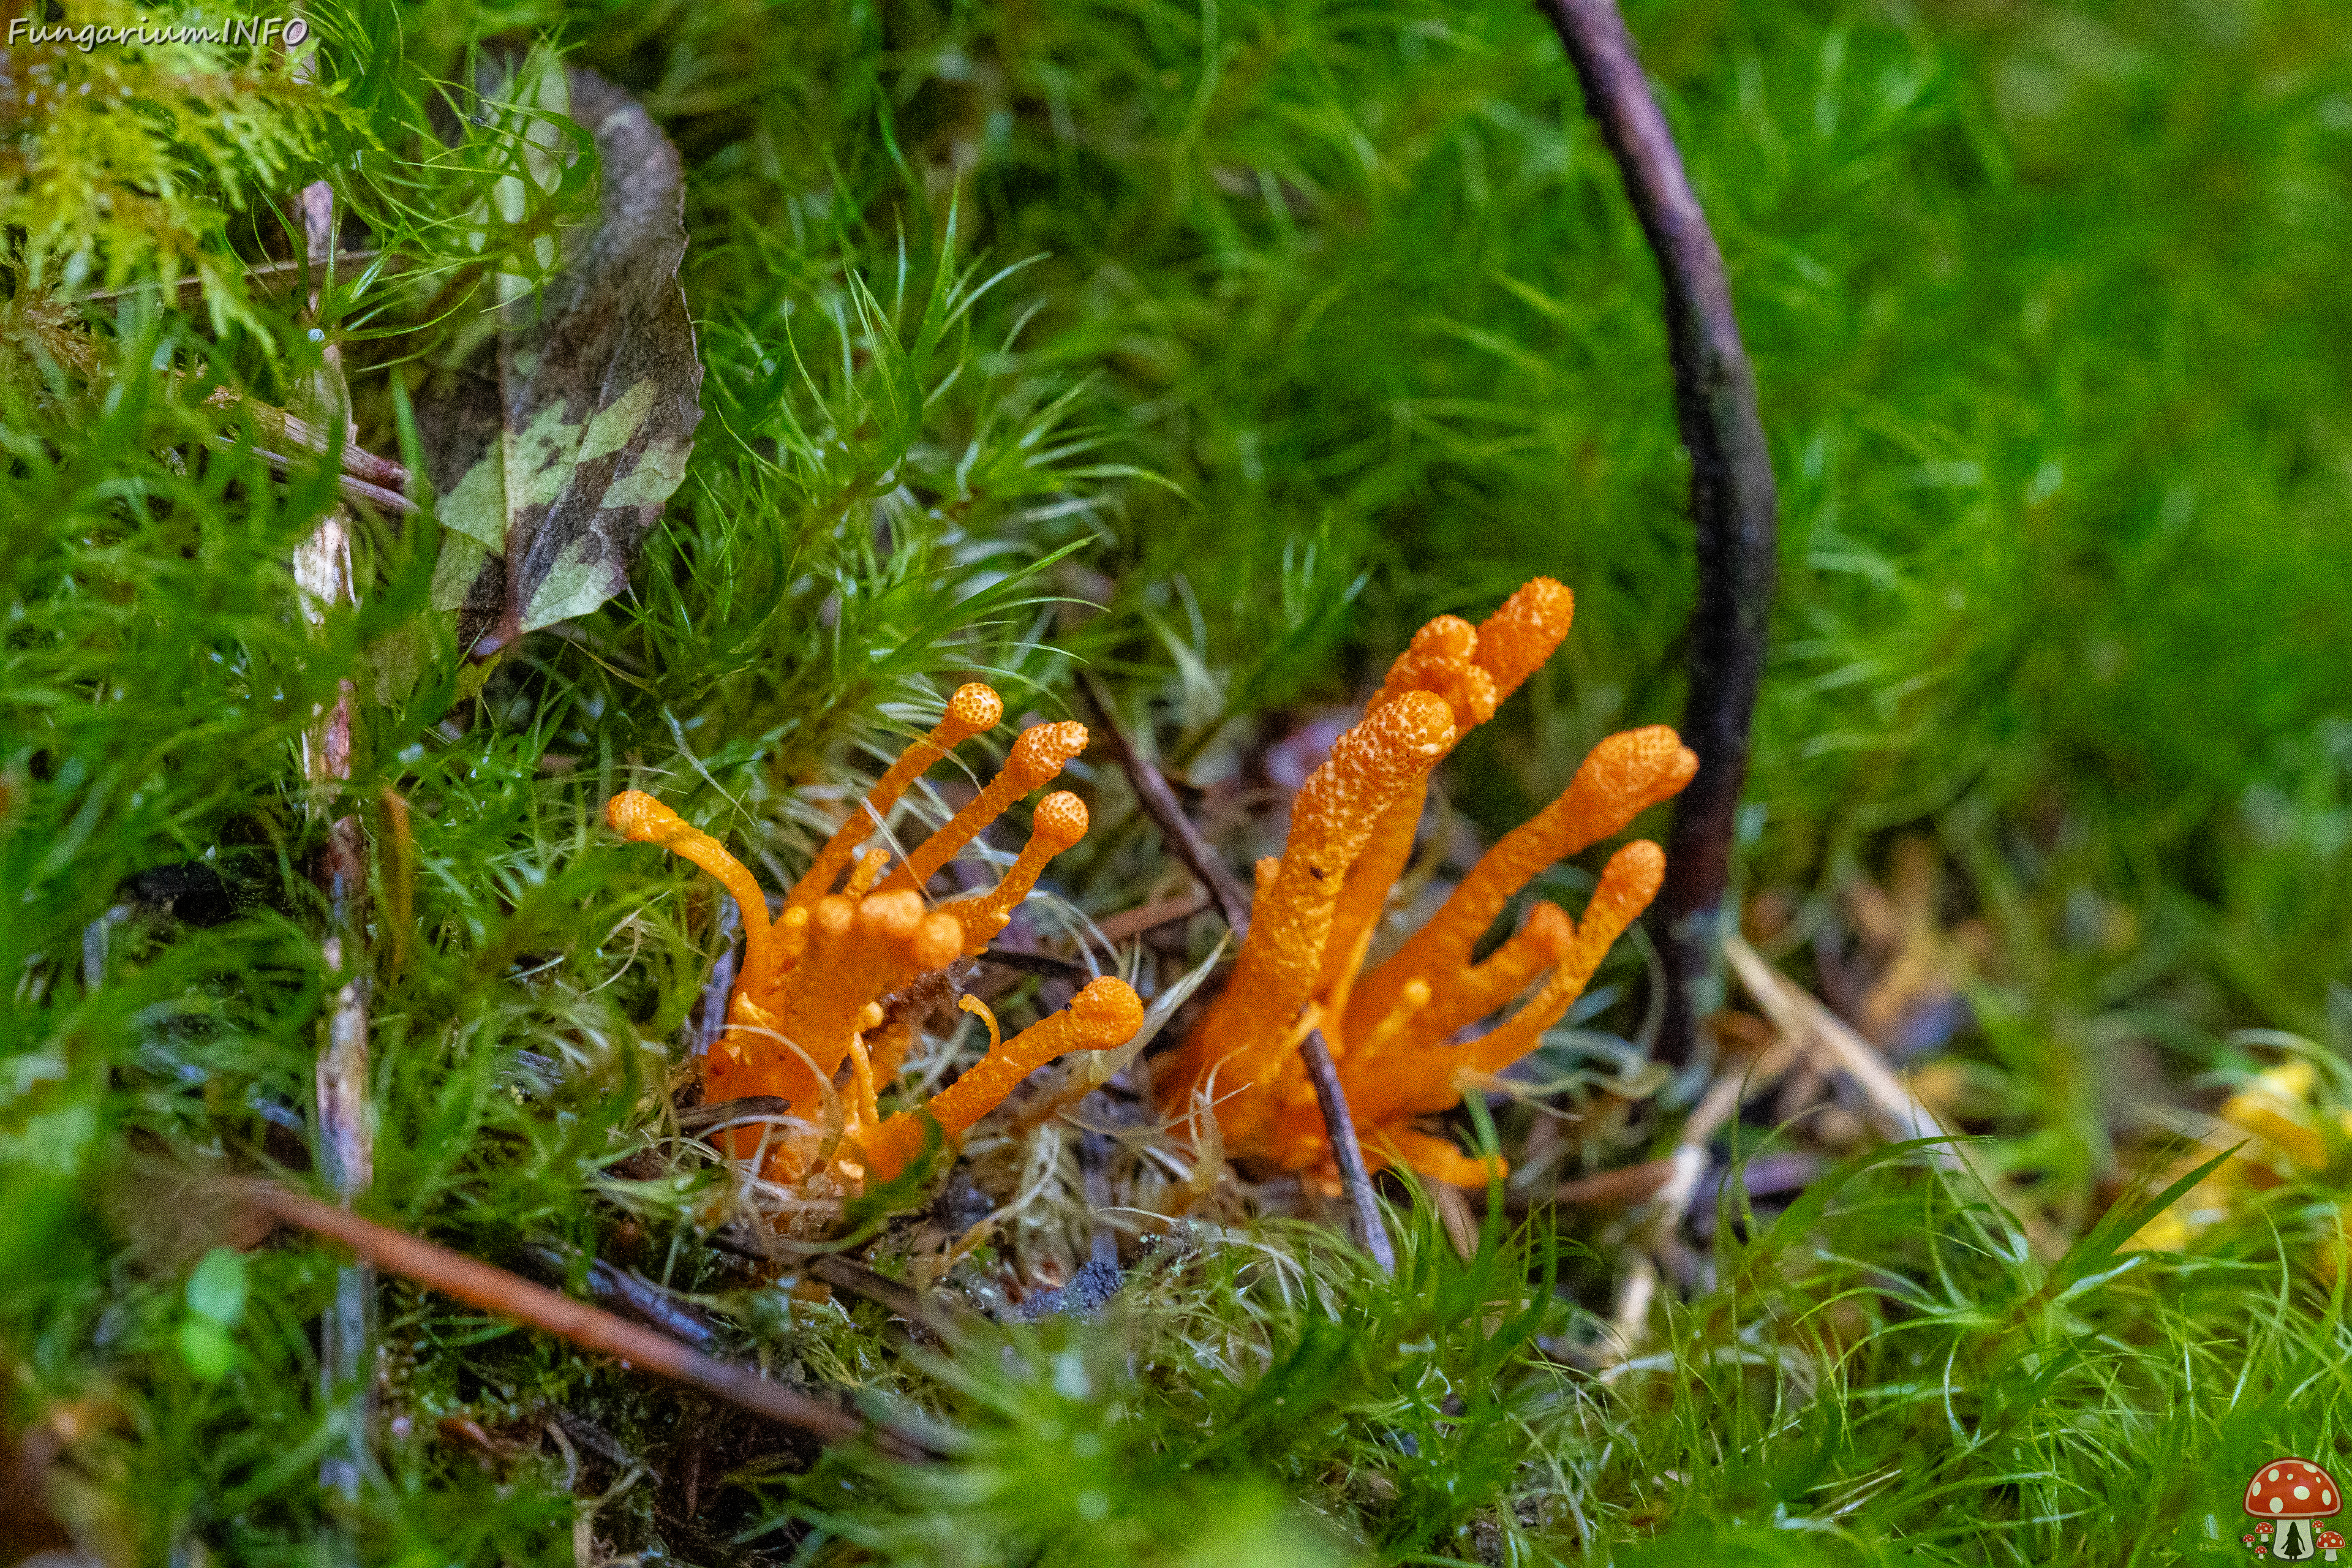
pixel 1896 1111
pixel 1894 1108
pixel 1733 1084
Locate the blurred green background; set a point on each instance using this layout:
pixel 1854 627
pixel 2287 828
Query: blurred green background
pixel 2047 303
pixel 1323 318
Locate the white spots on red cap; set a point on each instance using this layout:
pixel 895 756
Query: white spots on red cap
pixel 2291 1488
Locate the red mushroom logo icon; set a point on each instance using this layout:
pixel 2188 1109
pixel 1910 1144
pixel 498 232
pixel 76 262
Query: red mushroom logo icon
pixel 2284 1497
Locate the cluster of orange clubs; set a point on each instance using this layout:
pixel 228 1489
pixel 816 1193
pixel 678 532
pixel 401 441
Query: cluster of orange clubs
pixel 828 982
pixel 821 1019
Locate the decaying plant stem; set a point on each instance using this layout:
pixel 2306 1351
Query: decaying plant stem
pixel 1733 508
pixel 360 475
pixel 322 575
pixel 1160 802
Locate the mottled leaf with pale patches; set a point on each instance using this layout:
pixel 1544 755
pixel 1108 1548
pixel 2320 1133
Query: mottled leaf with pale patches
pixel 553 451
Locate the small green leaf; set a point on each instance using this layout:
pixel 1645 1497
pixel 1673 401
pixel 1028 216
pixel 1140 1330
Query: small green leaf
pixel 206 1348
pixel 216 1289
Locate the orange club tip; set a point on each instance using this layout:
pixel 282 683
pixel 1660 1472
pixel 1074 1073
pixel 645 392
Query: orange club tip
pixel 1104 1014
pixel 1628 773
pixel 1399 740
pixel 1037 756
pixel 1042 751
pixel 1549 930
pixel 636 815
pixel 1442 661
pixel 1108 1013
pixel 1523 632
pixel 1058 823
pixel 973 709
pixel 639 818
pixel 1628 883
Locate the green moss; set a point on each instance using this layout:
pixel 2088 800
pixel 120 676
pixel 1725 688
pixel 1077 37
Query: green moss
pixel 1269 329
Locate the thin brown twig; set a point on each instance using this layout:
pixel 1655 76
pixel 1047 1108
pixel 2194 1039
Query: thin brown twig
pixel 495 1290
pixel 269 274
pixel 1127 923
pixel 1345 1152
pixel 625 1291
pixel 1160 802
pixel 938 1318
pixel 1734 507
pixel 1617 1188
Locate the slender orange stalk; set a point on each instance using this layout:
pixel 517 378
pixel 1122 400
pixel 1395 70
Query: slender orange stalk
pixel 1104 1014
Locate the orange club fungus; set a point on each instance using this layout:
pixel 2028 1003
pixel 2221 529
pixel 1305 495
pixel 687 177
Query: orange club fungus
pixel 825 983
pixel 1391 1031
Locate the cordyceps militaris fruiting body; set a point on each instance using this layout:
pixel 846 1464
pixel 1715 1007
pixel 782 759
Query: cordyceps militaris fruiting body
pixel 1391 1031
pixel 825 982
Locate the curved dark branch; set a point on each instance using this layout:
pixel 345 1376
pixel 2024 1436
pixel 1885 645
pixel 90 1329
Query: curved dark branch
pixel 1733 506
pixel 1355 1176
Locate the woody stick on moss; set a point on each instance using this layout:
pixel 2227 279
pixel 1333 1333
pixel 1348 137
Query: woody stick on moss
pixel 1225 891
